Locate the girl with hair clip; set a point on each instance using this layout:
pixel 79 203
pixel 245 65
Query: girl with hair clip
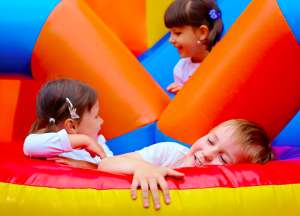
pixel 67 124
pixel 195 27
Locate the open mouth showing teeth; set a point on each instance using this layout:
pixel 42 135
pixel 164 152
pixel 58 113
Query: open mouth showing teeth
pixel 197 161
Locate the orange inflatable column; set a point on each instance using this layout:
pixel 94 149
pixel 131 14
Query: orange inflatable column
pixel 9 95
pixel 17 102
pixel 252 73
pixel 127 19
pixel 75 43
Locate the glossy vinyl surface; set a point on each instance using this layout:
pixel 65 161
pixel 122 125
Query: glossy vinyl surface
pixel 232 190
pixel 18 169
pixel 21 22
pixel 290 10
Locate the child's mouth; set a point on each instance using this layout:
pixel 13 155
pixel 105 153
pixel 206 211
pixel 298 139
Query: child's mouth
pixel 197 161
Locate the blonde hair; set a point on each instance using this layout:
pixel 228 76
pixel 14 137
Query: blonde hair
pixel 258 144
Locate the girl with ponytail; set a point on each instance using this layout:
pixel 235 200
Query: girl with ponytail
pixel 67 124
pixel 195 27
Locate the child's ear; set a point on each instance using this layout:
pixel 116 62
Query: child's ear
pixel 70 126
pixel 203 32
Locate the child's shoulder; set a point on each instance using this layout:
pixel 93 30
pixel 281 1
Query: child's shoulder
pixel 171 146
pixel 63 132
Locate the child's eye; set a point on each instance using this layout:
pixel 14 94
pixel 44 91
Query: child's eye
pixel 223 160
pixel 210 142
pixel 178 33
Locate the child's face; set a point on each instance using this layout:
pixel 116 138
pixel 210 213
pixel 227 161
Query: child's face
pixel 185 40
pixel 216 148
pixel 91 123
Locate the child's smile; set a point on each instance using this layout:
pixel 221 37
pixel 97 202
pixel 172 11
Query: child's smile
pixel 185 39
pixel 219 147
pixel 197 162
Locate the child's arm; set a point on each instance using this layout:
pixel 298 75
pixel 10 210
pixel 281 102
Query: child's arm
pixel 73 162
pixel 86 142
pixel 53 144
pixel 178 77
pixel 146 175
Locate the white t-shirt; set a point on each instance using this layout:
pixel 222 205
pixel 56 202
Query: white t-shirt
pixel 184 69
pixel 165 154
pixel 57 144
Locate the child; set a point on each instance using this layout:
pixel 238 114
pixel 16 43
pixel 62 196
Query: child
pixel 195 26
pixel 67 123
pixel 232 142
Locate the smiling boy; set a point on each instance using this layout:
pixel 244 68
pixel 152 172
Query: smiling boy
pixel 231 142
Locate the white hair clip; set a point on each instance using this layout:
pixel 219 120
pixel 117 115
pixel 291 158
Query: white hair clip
pixel 72 109
pixel 52 120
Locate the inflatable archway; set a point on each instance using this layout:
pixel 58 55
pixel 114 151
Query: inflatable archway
pixel 241 79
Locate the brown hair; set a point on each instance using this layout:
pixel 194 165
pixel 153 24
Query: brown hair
pixel 258 144
pixel 51 103
pixel 195 13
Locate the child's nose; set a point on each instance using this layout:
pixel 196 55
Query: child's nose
pixel 207 156
pixel 101 121
pixel 171 39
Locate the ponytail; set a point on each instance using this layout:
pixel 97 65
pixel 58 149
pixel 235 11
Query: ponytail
pixel 37 128
pixel 34 127
pixel 215 33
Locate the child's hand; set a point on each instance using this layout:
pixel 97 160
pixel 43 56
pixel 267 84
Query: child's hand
pixel 174 88
pixel 95 149
pixel 86 142
pixel 72 162
pixel 150 176
pixel 64 161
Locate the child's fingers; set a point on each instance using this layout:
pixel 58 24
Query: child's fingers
pixel 102 154
pixel 171 87
pixel 170 90
pixel 134 186
pixel 144 189
pixel 175 174
pixel 61 161
pixel 174 90
pixel 53 158
pixel 154 192
pixel 165 189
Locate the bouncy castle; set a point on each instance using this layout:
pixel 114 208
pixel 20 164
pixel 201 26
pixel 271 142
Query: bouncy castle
pixel 121 49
